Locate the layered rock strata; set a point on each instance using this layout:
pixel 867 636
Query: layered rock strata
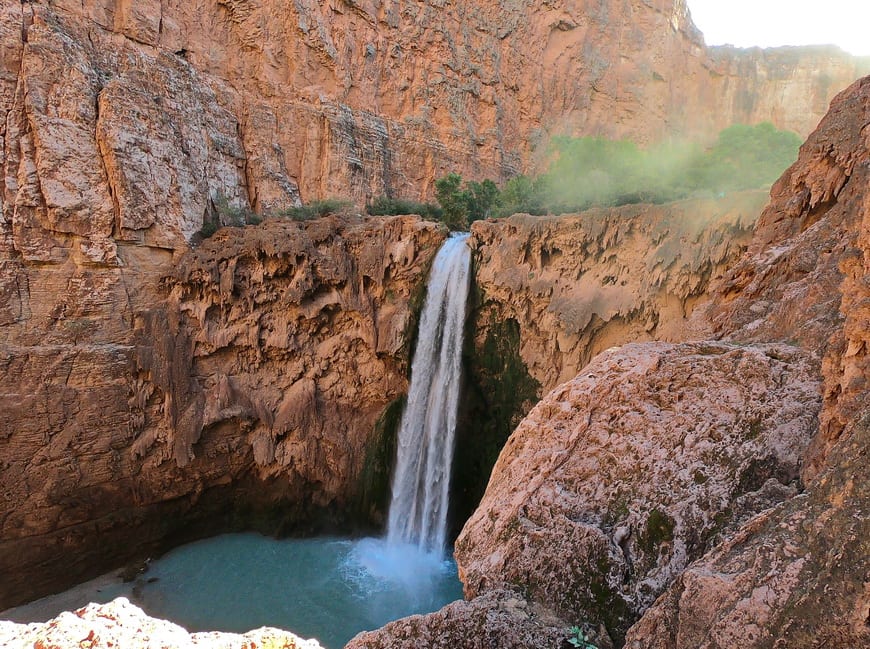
pixel 237 384
pixel 124 116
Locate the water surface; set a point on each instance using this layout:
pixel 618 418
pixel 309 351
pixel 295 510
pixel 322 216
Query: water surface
pixel 324 588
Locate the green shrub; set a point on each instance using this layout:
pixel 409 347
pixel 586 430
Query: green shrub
pixel 208 229
pixel 454 201
pixel 589 172
pixel 233 215
pixel 522 194
pixel 386 206
pixel 577 638
pixel 315 209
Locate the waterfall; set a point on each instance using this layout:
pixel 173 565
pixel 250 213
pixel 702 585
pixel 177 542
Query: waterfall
pixel 418 510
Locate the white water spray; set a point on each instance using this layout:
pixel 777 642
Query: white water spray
pixel 418 510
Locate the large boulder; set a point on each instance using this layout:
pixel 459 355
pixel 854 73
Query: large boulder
pixel 621 477
pixel 794 576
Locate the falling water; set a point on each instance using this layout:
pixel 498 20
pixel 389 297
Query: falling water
pixel 418 511
pixel 334 588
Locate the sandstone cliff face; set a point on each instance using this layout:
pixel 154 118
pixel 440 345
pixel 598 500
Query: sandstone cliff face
pixel 261 102
pixel 121 624
pixel 552 292
pixel 790 86
pixel 135 395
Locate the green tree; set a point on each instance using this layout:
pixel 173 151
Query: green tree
pixel 482 199
pixel 746 157
pixel 454 201
pixel 522 194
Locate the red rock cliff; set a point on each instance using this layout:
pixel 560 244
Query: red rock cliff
pixel 128 117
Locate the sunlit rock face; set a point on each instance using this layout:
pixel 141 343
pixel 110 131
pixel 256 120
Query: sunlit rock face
pixel 121 624
pixel 267 101
pixel 235 385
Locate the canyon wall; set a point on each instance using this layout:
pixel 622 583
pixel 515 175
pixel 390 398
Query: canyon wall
pixel 263 102
pixel 166 396
pixel 141 379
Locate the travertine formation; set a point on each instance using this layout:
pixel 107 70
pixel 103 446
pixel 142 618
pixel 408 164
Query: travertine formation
pixel 578 284
pixel 237 384
pixel 121 624
pixel 796 575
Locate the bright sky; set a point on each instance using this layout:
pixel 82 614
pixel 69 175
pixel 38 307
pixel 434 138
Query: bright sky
pixel 768 23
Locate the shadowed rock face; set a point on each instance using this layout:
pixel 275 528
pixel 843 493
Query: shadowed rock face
pixel 235 385
pixel 796 575
pixel 579 284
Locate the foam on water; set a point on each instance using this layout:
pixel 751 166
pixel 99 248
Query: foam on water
pixel 324 588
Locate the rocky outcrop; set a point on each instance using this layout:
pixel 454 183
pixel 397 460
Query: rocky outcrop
pixel 577 285
pixel 794 576
pixel 121 624
pixel 621 477
pixel 810 257
pixel 134 118
pixel 500 618
pixel 238 384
